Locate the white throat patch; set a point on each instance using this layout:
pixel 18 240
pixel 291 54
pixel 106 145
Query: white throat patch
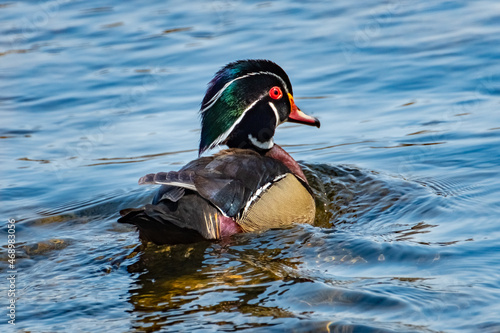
pixel 262 145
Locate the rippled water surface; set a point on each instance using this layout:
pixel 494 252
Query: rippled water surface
pixel 405 168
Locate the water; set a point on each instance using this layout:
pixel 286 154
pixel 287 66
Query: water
pixel 405 166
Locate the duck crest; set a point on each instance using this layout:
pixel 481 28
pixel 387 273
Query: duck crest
pixel 240 68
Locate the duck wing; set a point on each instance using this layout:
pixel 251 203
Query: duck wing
pixel 228 180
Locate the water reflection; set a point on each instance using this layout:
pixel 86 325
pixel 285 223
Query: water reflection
pixel 224 277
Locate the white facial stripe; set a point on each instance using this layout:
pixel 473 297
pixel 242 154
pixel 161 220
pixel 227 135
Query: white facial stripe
pixel 214 99
pixel 271 104
pixel 262 145
pixel 224 135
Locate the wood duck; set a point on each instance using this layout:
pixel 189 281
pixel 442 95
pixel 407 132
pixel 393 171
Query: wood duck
pixel 254 185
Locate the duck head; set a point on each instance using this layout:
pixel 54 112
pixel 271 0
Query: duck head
pixel 244 104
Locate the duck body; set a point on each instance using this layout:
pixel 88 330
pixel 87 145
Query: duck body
pixel 233 191
pixel 254 185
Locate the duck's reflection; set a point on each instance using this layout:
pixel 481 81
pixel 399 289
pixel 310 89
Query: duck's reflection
pixel 174 283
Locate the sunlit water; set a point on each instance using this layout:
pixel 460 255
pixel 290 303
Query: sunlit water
pixel 406 165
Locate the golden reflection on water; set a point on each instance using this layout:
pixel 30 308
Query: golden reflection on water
pixel 172 277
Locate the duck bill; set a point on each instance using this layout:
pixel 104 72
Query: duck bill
pixel 297 116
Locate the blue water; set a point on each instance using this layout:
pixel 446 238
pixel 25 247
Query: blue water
pixel 406 165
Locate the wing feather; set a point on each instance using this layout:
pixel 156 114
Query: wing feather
pixel 227 180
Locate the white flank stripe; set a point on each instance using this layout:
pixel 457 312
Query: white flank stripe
pixel 261 190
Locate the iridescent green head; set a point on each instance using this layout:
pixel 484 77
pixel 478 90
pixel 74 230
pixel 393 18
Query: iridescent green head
pixel 244 103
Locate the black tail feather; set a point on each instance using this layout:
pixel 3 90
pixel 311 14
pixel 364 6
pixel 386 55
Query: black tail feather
pixel 157 228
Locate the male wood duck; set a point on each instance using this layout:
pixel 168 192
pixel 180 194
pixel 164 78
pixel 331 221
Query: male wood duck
pixel 254 185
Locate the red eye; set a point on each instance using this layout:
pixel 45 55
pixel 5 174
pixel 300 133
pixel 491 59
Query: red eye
pixel 275 93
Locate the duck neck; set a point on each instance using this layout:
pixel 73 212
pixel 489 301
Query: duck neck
pixel 248 143
pixel 275 152
pixel 280 154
